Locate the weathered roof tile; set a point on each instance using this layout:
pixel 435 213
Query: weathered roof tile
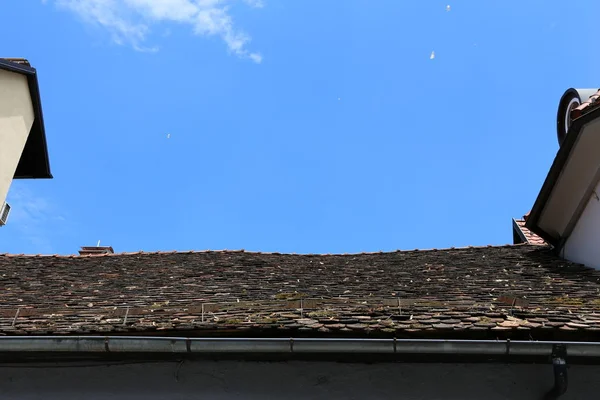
pixel 420 294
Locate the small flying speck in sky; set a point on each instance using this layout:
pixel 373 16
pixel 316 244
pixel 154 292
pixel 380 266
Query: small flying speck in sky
pixel 448 7
pixel 432 56
pixel 168 136
pixel 339 98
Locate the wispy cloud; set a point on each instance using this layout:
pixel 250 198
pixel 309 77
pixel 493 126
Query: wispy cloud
pixel 129 22
pixel 33 218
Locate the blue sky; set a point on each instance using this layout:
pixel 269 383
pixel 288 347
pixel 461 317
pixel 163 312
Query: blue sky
pixel 291 125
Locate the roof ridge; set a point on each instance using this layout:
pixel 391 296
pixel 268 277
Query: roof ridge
pixel 159 252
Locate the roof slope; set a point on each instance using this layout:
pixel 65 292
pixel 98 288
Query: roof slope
pixel 508 291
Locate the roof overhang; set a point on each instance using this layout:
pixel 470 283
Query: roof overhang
pixel 34 161
pixel 571 181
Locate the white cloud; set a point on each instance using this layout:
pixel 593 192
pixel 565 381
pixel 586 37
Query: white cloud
pixel 34 218
pixel 130 21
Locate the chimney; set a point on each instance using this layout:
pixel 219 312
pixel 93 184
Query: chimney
pixel 95 250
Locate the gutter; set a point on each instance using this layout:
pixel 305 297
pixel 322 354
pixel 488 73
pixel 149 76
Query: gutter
pixel 555 351
pixel 198 346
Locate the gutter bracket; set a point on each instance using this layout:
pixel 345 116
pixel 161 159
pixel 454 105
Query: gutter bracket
pixel 125 318
pixel 16 316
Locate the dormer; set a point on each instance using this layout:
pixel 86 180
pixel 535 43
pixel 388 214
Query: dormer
pixel 566 212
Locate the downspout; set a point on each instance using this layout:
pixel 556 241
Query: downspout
pixel 559 364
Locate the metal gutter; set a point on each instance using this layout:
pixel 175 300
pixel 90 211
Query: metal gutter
pixel 130 344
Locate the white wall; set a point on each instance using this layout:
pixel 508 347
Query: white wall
pixel 583 246
pixel 292 380
pixel 16 119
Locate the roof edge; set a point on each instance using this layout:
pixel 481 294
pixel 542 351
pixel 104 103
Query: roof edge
pixel 554 173
pixel 38 131
pixel 34 87
pixel 519 231
pixel 20 68
pixel 137 253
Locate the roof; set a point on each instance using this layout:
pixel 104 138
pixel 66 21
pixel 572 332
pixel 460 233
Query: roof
pixel 516 291
pixel 585 107
pixel 524 235
pixel 591 113
pixel 34 162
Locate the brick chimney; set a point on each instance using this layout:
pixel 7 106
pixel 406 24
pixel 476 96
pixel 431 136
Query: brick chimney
pixel 95 250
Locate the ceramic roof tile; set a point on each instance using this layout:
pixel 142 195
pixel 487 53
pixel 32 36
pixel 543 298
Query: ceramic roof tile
pixel 590 104
pixel 517 291
pixel 531 237
pixel 18 61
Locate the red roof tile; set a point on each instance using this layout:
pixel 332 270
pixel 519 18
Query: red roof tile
pixel 530 237
pixel 18 61
pixel 590 104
